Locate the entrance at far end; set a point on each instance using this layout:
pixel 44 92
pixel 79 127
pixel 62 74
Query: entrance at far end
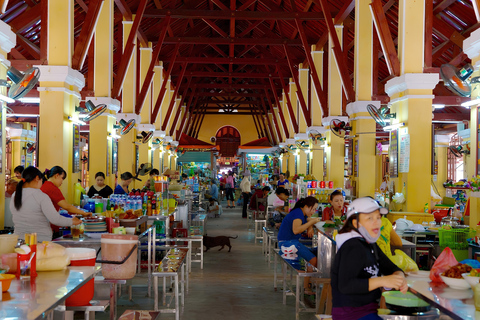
pixel 228 138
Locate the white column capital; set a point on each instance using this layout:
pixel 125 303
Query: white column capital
pixel 128 117
pixel 471 45
pixel 8 38
pixel 300 136
pixel 360 106
pixel 290 141
pixel 62 74
pixel 145 127
pixel 159 134
pixel 326 121
pixel 112 104
pixel 316 129
pixel 411 81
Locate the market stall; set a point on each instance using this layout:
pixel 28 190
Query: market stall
pixel 258 158
pixel 196 156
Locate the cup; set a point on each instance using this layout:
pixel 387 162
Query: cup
pixel 75 229
pixel 99 207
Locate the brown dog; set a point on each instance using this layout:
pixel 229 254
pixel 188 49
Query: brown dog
pixel 210 242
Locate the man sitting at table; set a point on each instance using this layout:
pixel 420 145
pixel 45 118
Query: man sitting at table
pixel 259 194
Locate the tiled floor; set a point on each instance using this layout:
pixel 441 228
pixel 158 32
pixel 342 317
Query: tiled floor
pixel 232 285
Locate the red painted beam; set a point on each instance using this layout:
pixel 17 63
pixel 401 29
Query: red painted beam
pixel 229 86
pixel 385 37
pixel 174 97
pixel 128 51
pixel 184 122
pixel 270 104
pixel 289 104
pixel 31 48
pixel 179 107
pixel 246 75
pixel 428 33
pixel 338 54
pixel 279 108
pixel 149 76
pixel 161 94
pixel 86 35
pixel 127 14
pixel 293 71
pixel 339 18
pixel 236 41
pixel 316 80
pixel 270 127
pixel 227 14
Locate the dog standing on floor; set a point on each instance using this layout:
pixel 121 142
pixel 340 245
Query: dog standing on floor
pixel 210 242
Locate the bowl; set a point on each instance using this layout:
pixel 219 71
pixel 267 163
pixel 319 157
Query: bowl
pixel 460 284
pixel 472 281
pixel 6 280
pixel 130 230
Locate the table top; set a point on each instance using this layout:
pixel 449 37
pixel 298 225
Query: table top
pixel 30 299
pixel 86 242
pixel 458 304
pixel 172 262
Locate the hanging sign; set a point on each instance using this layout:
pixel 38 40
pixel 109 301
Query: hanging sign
pixel 76 148
pixel 350 158
pixel 114 156
pixel 393 154
pixel 404 153
pixel 355 158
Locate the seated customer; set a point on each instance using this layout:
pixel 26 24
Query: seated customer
pixel 122 188
pixel 280 210
pixel 99 187
pixel 214 207
pixel 337 208
pixel 263 193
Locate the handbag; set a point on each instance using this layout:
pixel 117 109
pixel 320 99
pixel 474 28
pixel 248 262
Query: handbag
pixel 228 185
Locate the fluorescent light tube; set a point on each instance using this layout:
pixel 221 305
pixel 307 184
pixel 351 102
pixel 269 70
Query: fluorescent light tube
pixel 30 100
pixel 470 103
pixel 393 126
pixel 76 121
pixel 23 115
pixel 6 99
pixel 438 106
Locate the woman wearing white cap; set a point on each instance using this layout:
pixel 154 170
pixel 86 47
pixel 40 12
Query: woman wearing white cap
pixel 360 268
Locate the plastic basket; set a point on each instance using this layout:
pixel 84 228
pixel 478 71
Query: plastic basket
pixel 455 239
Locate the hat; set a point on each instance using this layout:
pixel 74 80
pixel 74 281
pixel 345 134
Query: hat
pixel 247 173
pixel 364 205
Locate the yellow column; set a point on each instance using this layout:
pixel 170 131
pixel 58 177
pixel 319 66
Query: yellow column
pixel 126 145
pixel 8 41
pixel 335 145
pixel 100 141
pixel 411 100
pixel 471 47
pixel 303 81
pixel 156 85
pixel 441 154
pixel 363 127
pixel 317 112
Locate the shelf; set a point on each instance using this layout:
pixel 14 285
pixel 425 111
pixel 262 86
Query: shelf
pixel 459 188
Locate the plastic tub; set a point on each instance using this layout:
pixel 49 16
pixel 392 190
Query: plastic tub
pixel 116 247
pixel 8 243
pixel 10 260
pixel 81 257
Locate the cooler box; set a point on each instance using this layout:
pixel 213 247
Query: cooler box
pixel 81 257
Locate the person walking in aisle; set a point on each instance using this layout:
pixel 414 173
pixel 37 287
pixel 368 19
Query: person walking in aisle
pixel 230 187
pixel 245 186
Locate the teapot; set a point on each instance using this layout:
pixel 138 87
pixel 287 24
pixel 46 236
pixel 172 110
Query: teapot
pixel 450 221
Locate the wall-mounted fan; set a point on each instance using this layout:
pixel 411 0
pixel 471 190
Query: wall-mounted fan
pixel 93 110
pixel 339 128
pixel 315 136
pixel 380 115
pixel 126 126
pixel 457 151
pixel 145 136
pixel 156 141
pixel 456 80
pixel 143 170
pixel 302 145
pixel 20 82
pixel 30 147
pixel 213 139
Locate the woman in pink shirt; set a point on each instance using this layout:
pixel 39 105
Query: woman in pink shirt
pixel 230 187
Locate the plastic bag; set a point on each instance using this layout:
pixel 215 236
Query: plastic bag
pixel 49 249
pixel 53 264
pixel 398 198
pixel 404 262
pixel 472 263
pixel 444 261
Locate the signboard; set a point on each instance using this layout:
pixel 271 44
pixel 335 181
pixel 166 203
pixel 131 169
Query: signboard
pixel 393 154
pixel 114 156
pixel 355 157
pixel 76 148
pixel 1 137
pixel 324 165
pixel 109 156
pixel 350 158
pixel 137 157
pixel 404 153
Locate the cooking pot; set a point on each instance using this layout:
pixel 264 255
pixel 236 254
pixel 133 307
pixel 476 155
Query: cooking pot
pixel 450 221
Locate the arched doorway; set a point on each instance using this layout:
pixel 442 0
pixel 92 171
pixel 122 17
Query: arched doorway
pixel 228 138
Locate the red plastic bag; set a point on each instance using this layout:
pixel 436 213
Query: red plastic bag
pixel 445 261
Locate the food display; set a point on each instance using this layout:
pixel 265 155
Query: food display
pixel 455 272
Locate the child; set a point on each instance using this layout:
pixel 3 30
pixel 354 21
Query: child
pixel 214 207
pixel 360 268
pixel 337 207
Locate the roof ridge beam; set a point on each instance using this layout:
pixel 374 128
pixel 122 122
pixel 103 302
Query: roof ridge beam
pixel 228 14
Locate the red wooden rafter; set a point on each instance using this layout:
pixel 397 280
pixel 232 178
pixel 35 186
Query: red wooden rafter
pixel 161 94
pixel 289 103
pixel 338 54
pixel 179 107
pixel 279 108
pixel 86 35
pixel 128 51
pixel 173 98
pixel 149 76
